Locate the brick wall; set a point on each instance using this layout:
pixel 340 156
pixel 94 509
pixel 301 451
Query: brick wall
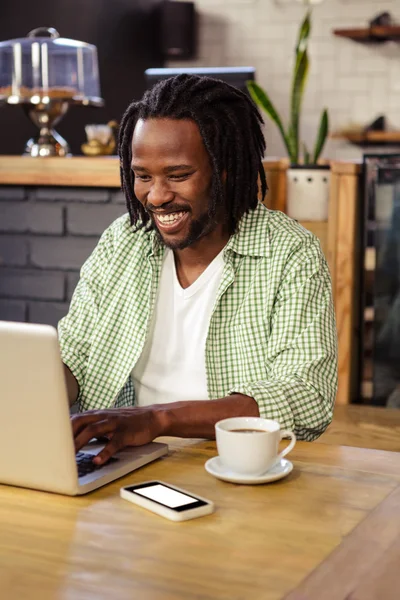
pixel 45 236
pixel 356 82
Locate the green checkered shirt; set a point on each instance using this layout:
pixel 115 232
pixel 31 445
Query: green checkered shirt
pixel 271 336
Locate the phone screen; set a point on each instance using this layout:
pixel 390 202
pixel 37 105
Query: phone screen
pixel 166 496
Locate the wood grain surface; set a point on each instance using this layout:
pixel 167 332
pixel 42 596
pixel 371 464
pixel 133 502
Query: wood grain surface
pixel 365 566
pixel 364 426
pixel 321 230
pixel 260 543
pixel 345 276
pixel 74 171
pixel 102 171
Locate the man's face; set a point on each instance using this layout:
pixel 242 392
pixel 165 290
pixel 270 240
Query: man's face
pixel 173 179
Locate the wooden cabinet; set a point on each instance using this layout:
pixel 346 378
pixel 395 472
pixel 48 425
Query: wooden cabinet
pixel 339 237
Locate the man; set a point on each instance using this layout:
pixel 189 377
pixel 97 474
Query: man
pixel 201 304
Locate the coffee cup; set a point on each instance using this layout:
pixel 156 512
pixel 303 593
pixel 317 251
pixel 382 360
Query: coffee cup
pixel 249 445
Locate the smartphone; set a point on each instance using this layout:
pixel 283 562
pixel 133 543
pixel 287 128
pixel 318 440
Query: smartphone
pixel 167 500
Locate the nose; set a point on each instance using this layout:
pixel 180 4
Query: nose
pixel 159 193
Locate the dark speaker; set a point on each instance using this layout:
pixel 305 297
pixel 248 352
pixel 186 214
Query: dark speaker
pixel 178 29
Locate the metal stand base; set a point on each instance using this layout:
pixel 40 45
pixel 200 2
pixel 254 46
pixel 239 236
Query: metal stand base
pixel 45 115
pixel 47 143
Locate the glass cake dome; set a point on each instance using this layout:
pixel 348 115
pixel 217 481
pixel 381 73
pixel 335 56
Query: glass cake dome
pixel 46 73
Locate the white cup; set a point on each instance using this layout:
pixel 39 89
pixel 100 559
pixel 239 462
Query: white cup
pixel 251 452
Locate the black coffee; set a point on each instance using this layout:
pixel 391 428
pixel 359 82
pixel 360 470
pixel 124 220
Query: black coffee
pixel 248 430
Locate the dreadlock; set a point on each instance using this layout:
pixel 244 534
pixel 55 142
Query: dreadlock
pixel 230 126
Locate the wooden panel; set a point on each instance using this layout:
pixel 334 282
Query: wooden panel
pixel 346 168
pixel 319 229
pixel 382 581
pixel 367 559
pixel 275 171
pixel 345 280
pixel 331 243
pixel 73 171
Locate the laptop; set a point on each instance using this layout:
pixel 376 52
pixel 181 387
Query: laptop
pixel 36 442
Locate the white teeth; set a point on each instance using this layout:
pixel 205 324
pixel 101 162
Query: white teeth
pixel 171 218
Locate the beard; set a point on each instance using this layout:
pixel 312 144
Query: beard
pixel 198 228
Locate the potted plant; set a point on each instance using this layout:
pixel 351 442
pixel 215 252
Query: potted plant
pixel 308 181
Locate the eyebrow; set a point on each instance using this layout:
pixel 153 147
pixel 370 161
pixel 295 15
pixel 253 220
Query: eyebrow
pixel 166 170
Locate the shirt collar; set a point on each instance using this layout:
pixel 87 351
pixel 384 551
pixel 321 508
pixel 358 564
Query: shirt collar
pixel 252 235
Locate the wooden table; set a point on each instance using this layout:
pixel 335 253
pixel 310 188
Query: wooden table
pixel 260 543
pixel 365 427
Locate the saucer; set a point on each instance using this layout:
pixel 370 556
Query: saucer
pixel 280 470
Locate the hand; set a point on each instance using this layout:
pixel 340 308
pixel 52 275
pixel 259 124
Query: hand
pixel 123 427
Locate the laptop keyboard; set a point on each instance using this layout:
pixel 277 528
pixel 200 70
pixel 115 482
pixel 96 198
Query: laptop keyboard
pixel 85 464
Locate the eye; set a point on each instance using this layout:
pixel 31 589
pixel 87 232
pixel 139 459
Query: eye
pixel 142 177
pixel 180 177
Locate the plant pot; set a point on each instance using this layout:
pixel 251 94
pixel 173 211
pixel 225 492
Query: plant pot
pixel 308 192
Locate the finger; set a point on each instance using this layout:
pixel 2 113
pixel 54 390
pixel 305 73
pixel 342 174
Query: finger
pixel 94 430
pixel 117 443
pixel 104 439
pixel 79 422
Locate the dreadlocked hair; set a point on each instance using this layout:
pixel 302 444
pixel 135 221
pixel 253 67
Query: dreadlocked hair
pixel 230 126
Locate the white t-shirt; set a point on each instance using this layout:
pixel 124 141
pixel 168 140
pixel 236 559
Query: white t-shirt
pixel 172 364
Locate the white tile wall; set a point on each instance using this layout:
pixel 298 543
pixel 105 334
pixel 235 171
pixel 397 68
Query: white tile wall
pixel 356 82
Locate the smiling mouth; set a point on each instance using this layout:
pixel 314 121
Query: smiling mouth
pixel 171 221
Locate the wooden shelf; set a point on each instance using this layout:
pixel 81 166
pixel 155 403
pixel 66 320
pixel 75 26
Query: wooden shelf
pixel 371 34
pixel 85 171
pixel 369 137
pixel 77 171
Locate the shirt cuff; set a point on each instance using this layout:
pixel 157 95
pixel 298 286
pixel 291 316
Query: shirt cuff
pixel 270 400
pixel 76 367
pixel 294 407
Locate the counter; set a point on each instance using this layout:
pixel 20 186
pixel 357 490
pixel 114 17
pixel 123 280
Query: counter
pixel 53 210
pixel 76 171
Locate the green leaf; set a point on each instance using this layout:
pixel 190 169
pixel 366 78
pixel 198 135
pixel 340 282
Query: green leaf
pixel 304 34
pixel 261 98
pixel 292 141
pixel 299 79
pixel 298 85
pixel 307 156
pixel 322 135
